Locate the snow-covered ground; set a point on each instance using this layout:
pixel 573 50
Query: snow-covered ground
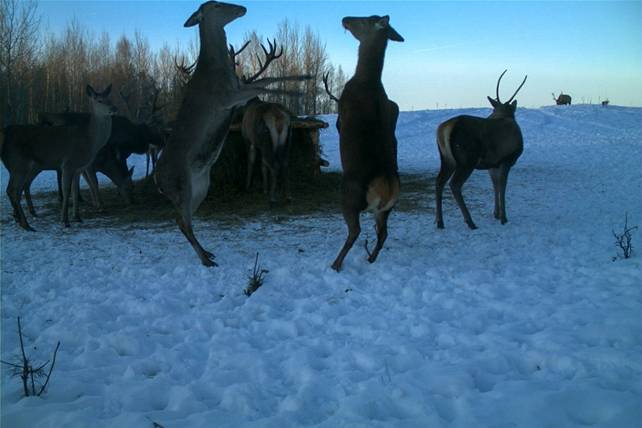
pixel 531 324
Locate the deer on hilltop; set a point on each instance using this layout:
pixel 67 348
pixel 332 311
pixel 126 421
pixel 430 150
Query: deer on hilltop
pixel 562 99
pixel 212 93
pixel 29 149
pixel 467 143
pixel 368 146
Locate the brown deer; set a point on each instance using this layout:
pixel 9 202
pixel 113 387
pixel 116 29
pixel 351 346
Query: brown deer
pixel 467 143
pixel 29 149
pixel 211 95
pixel 562 99
pixel 367 135
pixel 266 129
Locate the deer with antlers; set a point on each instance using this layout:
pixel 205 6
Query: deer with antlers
pixel 562 99
pixel 367 135
pixel 467 143
pixel 211 96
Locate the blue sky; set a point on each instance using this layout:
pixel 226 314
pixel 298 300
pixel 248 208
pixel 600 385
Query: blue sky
pixel 453 53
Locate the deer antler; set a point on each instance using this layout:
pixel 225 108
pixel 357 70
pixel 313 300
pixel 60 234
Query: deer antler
pixel 520 87
pixel 327 90
pixel 269 57
pixel 499 80
pixel 184 69
pixel 233 53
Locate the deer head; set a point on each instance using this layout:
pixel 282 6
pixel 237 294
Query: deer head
pixel 504 109
pixel 100 101
pixel 216 14
pixel 370 28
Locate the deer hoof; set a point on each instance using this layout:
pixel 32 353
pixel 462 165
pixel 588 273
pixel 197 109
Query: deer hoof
pixel 26 227
pixel 472 226
pixel 504 221
pixel 440 225
pixel 336 266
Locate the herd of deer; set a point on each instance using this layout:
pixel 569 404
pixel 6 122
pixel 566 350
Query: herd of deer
pixel 76 144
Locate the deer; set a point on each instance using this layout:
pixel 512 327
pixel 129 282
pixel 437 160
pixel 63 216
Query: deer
pixel 126 138
pixel 211 95
pixel 562 99
pixel 467 143
pixel 29 149
pixel 605 103
pixel 266 129
pixel 367 141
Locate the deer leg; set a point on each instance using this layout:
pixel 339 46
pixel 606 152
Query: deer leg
pixel 495 177
pixel 264 172
pixel 92 180
pixel 503 179
pixel 67 178
pixel 456 183
pixel 251 158
pixel 59 180
pixel 14 191
pixel 352 194
pixel 444 174
pixel 27 191
pixel 273 177
pixel 285 183
pixel 381 227
pixel 75 192
pixel 185 224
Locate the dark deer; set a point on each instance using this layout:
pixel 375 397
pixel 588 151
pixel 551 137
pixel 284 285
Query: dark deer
pixel 266 129
pixel 467 143
pixel 211 96
pixel 605 103
pixel 29 149
pixel 126 138
pixel 367 135
pixel 562 99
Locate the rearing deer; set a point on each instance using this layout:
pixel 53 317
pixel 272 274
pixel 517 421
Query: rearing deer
pixel 213 91
pixel 367 135
pixel 467 143
pixel 29 149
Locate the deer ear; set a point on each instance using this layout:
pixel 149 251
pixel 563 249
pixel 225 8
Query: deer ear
pixel 194 19
pixel 514 105
pixel 492 102
pixel 90 91
pixel 393 35
pixel 107 91
pixel 131 171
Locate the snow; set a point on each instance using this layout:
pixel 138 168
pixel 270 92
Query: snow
pixel 530 324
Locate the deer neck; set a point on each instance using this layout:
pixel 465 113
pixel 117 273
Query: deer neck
pixel 213 53
pixel 100 129
pixel 370 63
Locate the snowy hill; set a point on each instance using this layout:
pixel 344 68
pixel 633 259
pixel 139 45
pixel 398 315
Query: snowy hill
pixel 530 324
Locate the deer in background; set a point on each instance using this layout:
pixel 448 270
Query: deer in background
pixel 467 143
pixel 29 149
pixel 562 99
pixel 605 103
pixel 367 135
pixel 212 93
pixel 266 129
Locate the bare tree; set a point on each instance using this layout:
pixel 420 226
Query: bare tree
pixel 19 24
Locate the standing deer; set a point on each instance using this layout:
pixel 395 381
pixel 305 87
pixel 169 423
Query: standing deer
pixel 367 135
pixel 211 95
pixel 605 103
pixel 467 143
pixel 29 149
pixel 562 99
pixel 125 138
pixel 266 129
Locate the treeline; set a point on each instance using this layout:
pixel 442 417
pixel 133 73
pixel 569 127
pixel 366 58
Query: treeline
pixel 49 72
